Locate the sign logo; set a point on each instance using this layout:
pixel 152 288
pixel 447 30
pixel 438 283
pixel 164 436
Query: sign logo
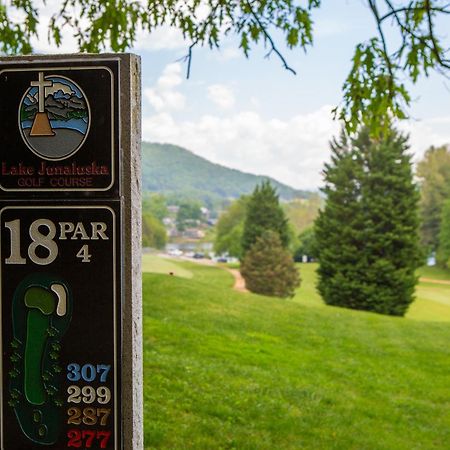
pixel 54 117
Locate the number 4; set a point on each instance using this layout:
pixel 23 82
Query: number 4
pixel 84 255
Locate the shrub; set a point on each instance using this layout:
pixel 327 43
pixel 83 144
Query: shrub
pixel 268 268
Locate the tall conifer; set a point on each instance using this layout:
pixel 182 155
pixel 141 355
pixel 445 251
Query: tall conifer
pixel 264 213
pixel 339 228
pixel 367 235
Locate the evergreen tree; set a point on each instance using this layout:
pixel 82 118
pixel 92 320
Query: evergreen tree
pixel 264 213
pixel 338 229
pixel 443 253
pixel 367 235
pixel 390 205
pixel 268 268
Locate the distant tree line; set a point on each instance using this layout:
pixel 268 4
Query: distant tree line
pixel 433 172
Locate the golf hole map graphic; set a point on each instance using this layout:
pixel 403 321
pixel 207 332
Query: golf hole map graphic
pixel 60 256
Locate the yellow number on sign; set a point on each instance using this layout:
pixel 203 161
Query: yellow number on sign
pixel 88 394
pixel 84 255
pixel 104 395
pixel 103 413
pixel 43 240
pixel 39 239
pixel 74 416
pixel 89 416
pixel 74 394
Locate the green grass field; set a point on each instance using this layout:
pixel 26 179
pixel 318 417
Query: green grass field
pixel 230 370
pixel 435 273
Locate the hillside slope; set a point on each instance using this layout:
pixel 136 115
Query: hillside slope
pixel 225 370
pixel 170 169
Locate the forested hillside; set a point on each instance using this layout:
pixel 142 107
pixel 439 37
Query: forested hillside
pixel 170 169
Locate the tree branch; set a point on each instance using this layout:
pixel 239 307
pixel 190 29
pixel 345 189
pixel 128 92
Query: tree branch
pixel 268 37
pixel 435 46
pixel 373 7
pixel 394 11
pixel 445 64
pixel 188 58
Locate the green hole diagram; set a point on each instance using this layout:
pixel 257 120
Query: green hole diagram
pixel 41 314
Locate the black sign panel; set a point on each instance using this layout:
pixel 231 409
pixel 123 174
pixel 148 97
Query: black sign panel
pixel 60 254
pixel 59 125
pixel 60 318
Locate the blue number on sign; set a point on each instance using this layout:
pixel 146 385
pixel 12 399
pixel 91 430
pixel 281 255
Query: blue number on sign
pixel 88 372
pixel 103 370
pixel 73 372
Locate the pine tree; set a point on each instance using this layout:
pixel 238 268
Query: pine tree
pixel 443 253
pixel 390 205
pixel 367 235
pixel 339 228
pixel 269 269
pixel 264 213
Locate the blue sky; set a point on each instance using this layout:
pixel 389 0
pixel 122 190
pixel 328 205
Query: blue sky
pixel 255 116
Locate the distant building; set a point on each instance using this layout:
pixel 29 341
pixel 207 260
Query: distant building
pixel 194 233
pixel 205 212
pixel 173 233
pixel 431 261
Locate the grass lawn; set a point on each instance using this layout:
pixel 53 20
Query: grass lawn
pixel 432 300
pixel 230 370
pixel 155 264
pixel 436 273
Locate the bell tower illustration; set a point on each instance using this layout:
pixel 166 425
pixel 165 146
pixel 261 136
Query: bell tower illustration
pixel 41 124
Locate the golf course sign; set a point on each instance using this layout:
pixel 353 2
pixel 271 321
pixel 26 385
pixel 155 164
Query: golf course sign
pixel 61 254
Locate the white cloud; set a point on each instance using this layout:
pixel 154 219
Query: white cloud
pixel 292 151
pixel 162 38
pixel 40 42
pixel 221 95
pixel 427 132
pixel 164 96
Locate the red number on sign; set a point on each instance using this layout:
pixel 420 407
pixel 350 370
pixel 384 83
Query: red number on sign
pixel 74 438
pixel 89 436
pixel 105 435
pixel 85 438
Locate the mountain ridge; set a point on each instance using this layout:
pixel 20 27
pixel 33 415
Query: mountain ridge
pixel 170 169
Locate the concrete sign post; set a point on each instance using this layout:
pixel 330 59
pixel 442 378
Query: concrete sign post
pixel 70 235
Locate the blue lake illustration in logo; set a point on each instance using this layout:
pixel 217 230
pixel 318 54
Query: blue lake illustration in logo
pixel 54 117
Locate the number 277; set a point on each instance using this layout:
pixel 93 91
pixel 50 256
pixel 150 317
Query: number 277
pixel 76 438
